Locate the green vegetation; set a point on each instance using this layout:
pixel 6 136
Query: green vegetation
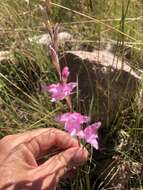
pixel 23 106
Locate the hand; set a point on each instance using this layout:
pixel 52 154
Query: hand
pixel 19 169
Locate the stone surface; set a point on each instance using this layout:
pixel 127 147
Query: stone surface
pixel 106 85
pixel 45 39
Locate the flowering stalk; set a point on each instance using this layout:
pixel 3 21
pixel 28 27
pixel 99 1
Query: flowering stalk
pixel 71 120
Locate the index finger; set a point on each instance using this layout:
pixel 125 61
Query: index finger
pixel 40 144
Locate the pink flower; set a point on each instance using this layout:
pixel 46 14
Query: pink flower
pixel 72 121
pixel 59 91
pixel 90 134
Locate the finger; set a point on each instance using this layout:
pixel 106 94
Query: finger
pixel 40 140
pixel 13 142
pixel 20 138
pixel 53 169
pixel 40 144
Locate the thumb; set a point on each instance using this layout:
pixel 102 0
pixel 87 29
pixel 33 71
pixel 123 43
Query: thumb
pixel 53 169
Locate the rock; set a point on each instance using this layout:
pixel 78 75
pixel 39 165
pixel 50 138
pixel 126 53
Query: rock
pixel 45 39
pixel 106 85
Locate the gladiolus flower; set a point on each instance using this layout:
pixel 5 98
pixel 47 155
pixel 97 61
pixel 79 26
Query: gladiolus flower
pixel 59 91
pixel 72 122
pixel 90 134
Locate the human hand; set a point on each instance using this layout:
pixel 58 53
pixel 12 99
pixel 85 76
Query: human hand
pixel 19 169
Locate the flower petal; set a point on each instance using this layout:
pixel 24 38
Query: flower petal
pixel 94 143
pixel 72 121
pixel 59 91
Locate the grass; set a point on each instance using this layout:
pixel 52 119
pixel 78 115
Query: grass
pixel 24 107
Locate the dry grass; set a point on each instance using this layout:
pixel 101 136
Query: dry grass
pixel 24 107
